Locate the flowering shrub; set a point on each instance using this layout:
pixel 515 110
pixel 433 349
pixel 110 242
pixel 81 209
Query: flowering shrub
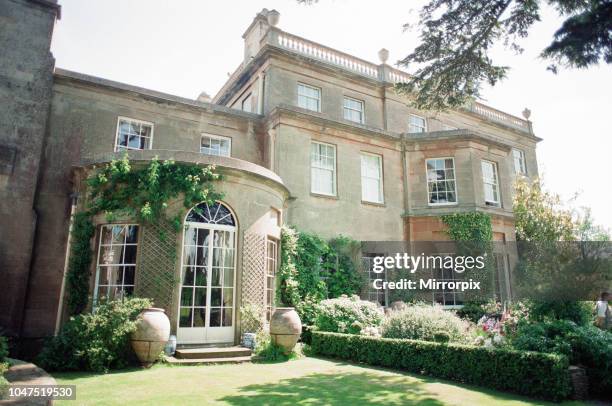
pixel 371 331
pixel 347 315
pixel 490 332
pixel 424 322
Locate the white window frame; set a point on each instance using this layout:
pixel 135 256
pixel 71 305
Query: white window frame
pixel 216 137
pixel 410 125
pixel 249 99
pixel 346 108
pixel 334 171
pixel 495 183
pixel 380 178
pixel 120 263
pixel 456 294
pixel 299 96
pixel 454 179
pixel 270 274
pixel 135 121
pixel 522 170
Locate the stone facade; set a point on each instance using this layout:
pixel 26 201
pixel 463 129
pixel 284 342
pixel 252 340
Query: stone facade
pixel 26 79
pixel 59 124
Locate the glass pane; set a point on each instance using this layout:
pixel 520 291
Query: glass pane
pixel 129 254
pixel 190 236
pixel 215 317
pixel 131 234
pixel 189 255
pixel 203 237
pixel 200 297
pixel 202 256
pixel 228 277
pixel 134 142
pixel 199 317
pixel 215 277
pixel 110 275
pixel 200 277
pixel 228 258
pixel 185 317
pixel 228 297
pixel 188 276
pixel 187 297
pixel 227 316
pixel 129 273
pixel 215 296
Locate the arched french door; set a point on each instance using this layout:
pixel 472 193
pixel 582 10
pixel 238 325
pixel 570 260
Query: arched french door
pixel 208 264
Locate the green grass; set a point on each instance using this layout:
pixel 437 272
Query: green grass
pixel 306 381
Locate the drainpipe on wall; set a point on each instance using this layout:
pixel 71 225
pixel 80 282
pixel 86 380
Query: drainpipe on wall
pixel 60 305
pixel 406 169
pixel 260 91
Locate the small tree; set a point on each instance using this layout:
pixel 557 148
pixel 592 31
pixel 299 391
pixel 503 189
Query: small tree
pixel 539 215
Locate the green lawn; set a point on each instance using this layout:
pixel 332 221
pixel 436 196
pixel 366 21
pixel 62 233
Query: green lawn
pixel 306 381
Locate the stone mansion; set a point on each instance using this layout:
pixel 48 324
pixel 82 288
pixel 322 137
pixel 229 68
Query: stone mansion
pixel 304 135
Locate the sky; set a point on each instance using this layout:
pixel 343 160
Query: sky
pixel 184 47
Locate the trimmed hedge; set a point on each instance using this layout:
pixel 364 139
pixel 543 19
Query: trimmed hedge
pixel 528 373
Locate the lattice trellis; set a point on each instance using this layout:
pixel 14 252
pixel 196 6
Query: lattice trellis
pixel 253 275
pixel 156 277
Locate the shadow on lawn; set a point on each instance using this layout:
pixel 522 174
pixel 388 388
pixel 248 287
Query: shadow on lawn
pixel 343 388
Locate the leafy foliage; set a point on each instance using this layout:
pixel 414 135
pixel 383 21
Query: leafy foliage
pixel 577 312
pixel 77 276
pixel 583 345
pixel 97 341
pixel 457 37
pixel 347 315
pixel 425 322
pixel 584 38
pixel 472 226
pixel 312 269
pixel 142 193
pixel 539 215
pixel 4 348
pixel 4 366
pixel 528 373
pixel 473 233
pixel 342 276
pixel 474 310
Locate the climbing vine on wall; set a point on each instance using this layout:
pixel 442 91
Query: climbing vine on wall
pixel 77 277
pixel 120 188
pixel 471 226
pixel 473 233
pixel 313 269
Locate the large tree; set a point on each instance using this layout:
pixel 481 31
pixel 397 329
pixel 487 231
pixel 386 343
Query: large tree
pixel 456 37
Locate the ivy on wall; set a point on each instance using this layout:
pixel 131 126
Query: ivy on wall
pixel 473 233
pixel 313 269
pixel 471 226
pixel 77 277
pixel 138 192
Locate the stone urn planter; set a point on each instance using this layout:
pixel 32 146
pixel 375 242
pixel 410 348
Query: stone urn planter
pixel 151 335
pixel 285 328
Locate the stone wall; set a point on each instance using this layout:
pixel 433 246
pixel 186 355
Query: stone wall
pixel 26 68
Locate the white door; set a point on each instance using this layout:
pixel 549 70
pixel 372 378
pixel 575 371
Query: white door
pixel 206 306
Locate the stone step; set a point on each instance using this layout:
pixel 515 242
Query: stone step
pixel 203 361
pixel 212 352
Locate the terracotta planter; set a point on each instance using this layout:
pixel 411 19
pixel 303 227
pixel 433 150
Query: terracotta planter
pixel 151 335
pixel 285 328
